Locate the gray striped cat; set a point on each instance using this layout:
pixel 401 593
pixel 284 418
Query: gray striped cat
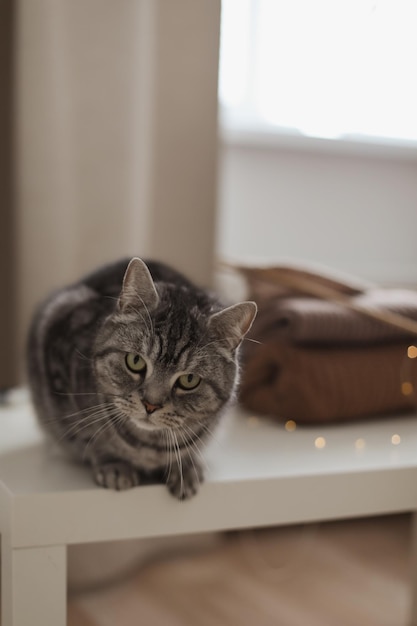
pixel 130 370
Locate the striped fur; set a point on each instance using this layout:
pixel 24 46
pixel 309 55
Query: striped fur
pixel 129 426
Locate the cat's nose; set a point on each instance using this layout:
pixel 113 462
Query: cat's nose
pixel 150 408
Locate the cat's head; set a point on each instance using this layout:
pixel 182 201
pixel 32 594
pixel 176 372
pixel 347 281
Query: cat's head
pixel 166 358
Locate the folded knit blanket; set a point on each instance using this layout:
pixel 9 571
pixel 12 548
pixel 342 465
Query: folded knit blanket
pixel 325 349
pixel 311 320
pixel 314 385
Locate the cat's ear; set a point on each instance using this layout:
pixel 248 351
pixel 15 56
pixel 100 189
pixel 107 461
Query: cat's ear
pixel 138 288
pixel 233 323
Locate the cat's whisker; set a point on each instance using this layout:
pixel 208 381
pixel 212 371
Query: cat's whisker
pixel 97 413
pixel 111 298
pixel 179 460
pixel 54 420
pixel 201 348
pixel 79 414
pixel 81 425
pixel 88 410
pixel 167 433
pixel 75 394
pixel 69 394
pixel 172 456
pixel 212 434
pixel 83 356
pixel 143 320
pixel 195 445
pixel 117 415
pixel 209 431
pixel 149 315
pixel 135 296
pixel 87 420
pixel 190 456
pixel 94 437
pixel 164 433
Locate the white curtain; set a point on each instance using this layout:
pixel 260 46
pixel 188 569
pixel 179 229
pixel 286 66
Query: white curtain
pixel 116 138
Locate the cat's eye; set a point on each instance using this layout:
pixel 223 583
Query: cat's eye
pixel 135 363
pixel 188 381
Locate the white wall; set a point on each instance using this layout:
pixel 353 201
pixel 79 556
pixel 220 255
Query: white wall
pixel 357 214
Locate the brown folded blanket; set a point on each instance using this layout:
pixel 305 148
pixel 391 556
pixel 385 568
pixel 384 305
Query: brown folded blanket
pixel 281 280
pixel 311 320
pixel 308 384
pixel 328 349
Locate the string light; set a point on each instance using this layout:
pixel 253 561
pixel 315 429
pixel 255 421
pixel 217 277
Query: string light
pixel 395 440
pixel 290 426
pixel 412 352
pixel 408 371
pixel 320 442
pixel 407 388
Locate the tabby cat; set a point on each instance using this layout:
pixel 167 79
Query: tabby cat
pixel 131 369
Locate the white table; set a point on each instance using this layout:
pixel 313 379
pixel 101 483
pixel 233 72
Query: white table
pixel 259 475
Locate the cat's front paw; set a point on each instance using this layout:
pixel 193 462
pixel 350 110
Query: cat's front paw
pixel 116 475
pixel 185 484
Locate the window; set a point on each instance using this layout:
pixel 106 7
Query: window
pixel 322 68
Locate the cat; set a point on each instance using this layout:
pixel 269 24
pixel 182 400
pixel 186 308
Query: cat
pixel 130 370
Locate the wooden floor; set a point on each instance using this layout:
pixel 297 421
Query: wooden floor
pixel 351 573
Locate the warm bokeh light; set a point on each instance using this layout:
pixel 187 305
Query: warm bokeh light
pixel 395 440
pixel 360 444
pixel 290 426
pixel 320 442
pixel 407 388
pixel 412 352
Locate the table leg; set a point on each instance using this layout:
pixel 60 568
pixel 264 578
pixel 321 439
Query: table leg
pixel 34 586
pixel 413 591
